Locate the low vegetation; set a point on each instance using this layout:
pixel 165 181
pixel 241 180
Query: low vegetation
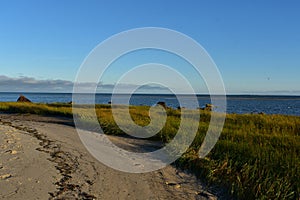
pixel 38 109
pixel 256 157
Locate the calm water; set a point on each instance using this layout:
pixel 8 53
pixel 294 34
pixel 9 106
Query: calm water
pixel 289 105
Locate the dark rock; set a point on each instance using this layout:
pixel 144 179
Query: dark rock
pixel 163 104
pixel 23 99
pixel 208 107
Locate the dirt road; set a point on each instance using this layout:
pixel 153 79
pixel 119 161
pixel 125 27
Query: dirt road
pixel 43 158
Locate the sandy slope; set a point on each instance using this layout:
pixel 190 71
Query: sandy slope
pixel 43 157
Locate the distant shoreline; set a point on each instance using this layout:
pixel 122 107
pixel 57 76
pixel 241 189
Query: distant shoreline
pixel 164 94
pixel 240 104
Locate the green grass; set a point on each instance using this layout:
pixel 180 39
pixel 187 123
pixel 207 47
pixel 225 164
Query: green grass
pixel 39 109
pixel 256 157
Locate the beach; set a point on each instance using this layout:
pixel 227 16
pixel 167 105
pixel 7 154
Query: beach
pixel 43 158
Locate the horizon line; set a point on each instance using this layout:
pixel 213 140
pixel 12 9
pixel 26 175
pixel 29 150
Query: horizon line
pixel 187 94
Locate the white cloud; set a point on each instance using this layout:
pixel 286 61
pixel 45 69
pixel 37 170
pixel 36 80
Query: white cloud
pixel 30 84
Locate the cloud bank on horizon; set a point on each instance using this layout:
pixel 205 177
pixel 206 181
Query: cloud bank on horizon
pixel 25 84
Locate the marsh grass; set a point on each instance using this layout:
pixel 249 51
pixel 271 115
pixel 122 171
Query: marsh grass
pixel 39 109
pixel 256 157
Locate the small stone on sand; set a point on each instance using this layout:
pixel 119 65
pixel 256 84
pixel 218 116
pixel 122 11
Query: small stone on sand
pixel 5 176
pixel 171 183
pixel 13 152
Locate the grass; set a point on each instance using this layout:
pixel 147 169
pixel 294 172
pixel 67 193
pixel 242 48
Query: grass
pixel 256 157
pixel 39 109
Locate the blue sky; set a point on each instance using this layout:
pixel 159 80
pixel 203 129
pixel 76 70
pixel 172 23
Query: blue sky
pixel 255 44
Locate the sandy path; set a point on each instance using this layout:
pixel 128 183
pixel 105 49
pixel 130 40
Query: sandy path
pixel 25 173
pixel 43 158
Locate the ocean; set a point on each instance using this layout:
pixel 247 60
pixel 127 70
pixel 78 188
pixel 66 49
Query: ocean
pixel 287 105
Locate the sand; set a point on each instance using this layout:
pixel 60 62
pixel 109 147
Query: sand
pixel 43 158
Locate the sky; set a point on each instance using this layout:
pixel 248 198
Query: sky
pixel 255 44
